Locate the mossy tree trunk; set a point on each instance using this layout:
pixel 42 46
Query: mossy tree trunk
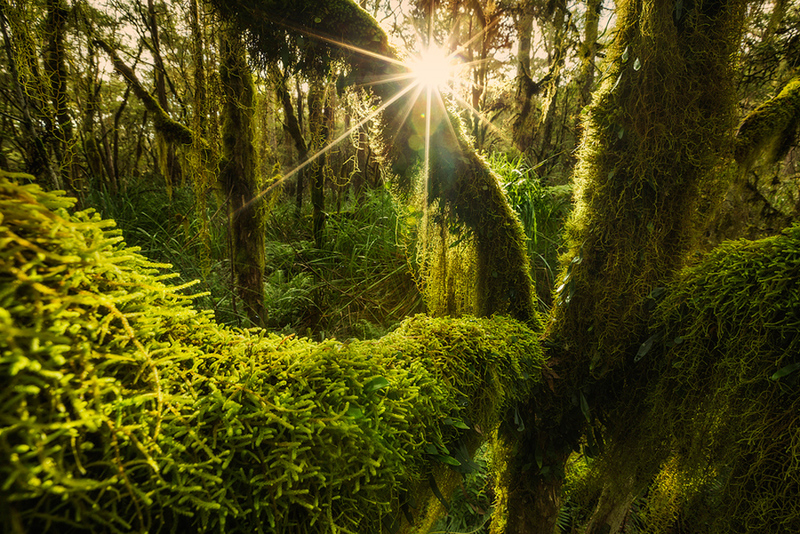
pixel 55 71
pixel 293 128
pixel 588 49
pixel 30 92
pixel 656 130
pixel 238 177
pixel 167 157
pixel 523 125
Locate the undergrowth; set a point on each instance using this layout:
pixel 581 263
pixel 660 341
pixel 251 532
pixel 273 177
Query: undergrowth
pixel 125 409
pixel 542 209
pixel 360 283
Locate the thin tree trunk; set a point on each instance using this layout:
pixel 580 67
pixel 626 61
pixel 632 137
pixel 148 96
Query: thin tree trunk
pixel 318 125
pixel 55 69
pixel 168 160
pixel 293 128
pixel 588 49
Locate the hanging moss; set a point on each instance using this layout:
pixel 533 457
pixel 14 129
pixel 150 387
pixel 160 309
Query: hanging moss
pixel 125 409
pixel 655 131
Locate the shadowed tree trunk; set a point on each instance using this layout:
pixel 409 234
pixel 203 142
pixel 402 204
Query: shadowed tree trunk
pixel 30 94
pixel 55 69
pixel 168 159
pixel 318 109
pixel 238 177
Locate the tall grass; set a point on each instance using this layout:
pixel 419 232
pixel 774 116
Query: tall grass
pixel 358 284
pixel 171 231
pixel 542 209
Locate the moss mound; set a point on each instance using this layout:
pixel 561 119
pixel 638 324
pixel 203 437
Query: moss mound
pixel 730 387
pixel 122 408
pixel 711 443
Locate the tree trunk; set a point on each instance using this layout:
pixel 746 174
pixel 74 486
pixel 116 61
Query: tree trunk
pixel 588 49
pixel 55 69
pixel 656 131
pixel 318 125
pixel 238 176
pixel 168 159
pixel 39 160
pixel 522 127
pixel 293 127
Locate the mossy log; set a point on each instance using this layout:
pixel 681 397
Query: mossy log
pixel 771 128
pixel 124 409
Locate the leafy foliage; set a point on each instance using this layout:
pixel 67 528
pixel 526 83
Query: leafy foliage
pixel 359 284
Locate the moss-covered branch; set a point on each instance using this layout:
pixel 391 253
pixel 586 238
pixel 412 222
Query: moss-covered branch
pixel 172 130
pixel 126 410
pixel 720 423
pixel 771 127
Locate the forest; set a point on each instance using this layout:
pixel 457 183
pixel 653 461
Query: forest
pixel 400 266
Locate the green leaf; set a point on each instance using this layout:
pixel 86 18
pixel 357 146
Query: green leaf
pixel 375 384
pixel 355 412
pixel 518 420
pixel 585 408
pixel 449 460
pixel 657 292
pixel 637 64
pixel 784 371
pixel 626 54
pixel 645 348
pixel 456 423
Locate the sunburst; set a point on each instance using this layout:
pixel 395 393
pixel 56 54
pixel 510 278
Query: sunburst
pixel 432 74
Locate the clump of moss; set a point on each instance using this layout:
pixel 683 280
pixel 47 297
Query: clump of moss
pixel 125 409
pixel 729 392
pixel 771 127
pixel 718 434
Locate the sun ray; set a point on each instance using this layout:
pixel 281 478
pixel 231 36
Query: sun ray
pixel 493 127
pixel 331 144
pixel 433 72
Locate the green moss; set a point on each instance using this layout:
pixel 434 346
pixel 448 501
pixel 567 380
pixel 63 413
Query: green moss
pixel 714 441
pixel 728 396
pixel 768 126
pixel 125 409
pixel 656 130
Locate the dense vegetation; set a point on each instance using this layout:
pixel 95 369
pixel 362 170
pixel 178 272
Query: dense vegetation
pixel 553 290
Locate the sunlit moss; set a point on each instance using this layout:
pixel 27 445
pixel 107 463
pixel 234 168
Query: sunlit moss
pixel 125 409
pixel 728 397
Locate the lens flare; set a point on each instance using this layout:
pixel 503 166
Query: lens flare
pixel 433 69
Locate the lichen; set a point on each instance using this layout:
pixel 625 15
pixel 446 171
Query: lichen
pixel 127 410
